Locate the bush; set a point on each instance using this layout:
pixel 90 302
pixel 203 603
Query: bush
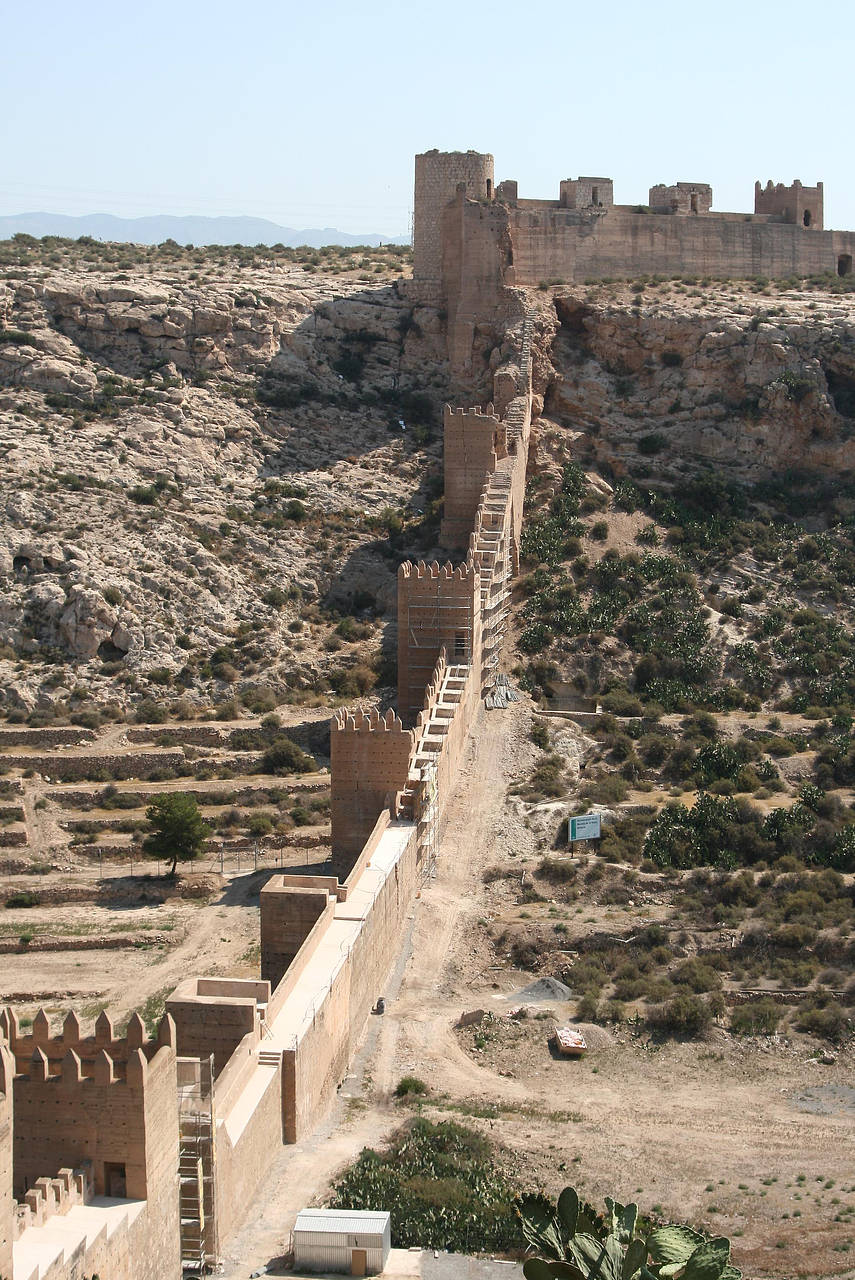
pixel 23 898
pixel 823 1018
pixel 409 1085
pixel 150 712
pixel 284 756
pixel 652 443
pixel 620 702
pixel 758 1018
pixel 683 1015
pixel 442 1188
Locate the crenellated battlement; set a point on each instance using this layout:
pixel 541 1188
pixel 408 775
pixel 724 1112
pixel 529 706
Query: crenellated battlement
pixel 50 1197
pixel 102 1070
pixel 367 722
pixel 434 570
pixel 477 414
pixel 88 1049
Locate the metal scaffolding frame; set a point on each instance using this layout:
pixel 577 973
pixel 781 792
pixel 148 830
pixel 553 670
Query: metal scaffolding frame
pixel 431 623
pixel 197 1200
pixel 428 822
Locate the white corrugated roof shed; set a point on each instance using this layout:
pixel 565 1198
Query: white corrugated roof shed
pixel 351 1221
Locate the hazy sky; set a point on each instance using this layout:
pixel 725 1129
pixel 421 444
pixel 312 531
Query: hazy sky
pixel 310 114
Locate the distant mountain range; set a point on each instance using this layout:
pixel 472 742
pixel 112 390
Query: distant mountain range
pixel 188 230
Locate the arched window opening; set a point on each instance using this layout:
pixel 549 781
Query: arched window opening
pixel 806 219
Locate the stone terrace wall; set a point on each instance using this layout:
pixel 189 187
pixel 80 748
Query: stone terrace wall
pixel 62 768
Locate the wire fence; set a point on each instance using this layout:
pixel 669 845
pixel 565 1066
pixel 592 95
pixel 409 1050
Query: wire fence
pixel 234 861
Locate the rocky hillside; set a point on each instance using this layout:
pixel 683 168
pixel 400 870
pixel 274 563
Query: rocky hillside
pixel 212 460
pixel 200 470
pixel 756 379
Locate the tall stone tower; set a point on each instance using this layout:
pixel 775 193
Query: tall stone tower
pixel 438 174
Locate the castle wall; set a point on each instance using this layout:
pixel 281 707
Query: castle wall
pixel 7 1203
pixel 325 1043
pixel 437 177
pixel 248 1139
pixel 472 443
pixel 369 756
pixel 568 245
pixel 437 607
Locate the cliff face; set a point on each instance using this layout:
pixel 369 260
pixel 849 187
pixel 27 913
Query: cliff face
pixel 679 377
pixel 185 460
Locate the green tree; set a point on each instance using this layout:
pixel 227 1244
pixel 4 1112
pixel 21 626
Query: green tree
pixel 177 829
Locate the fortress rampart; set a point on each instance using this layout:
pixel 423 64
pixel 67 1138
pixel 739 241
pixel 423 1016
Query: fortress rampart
pixel 169 1140
pixel 479 240
pixel 89 1150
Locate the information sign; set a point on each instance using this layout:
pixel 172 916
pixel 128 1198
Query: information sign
pixel 585 827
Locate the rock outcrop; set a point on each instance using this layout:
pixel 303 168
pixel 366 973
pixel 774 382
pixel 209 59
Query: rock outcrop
pixel 729 379
pixel 191 471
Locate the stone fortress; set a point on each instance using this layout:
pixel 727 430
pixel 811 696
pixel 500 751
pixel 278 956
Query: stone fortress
pixel 475 241
pixel 130 1157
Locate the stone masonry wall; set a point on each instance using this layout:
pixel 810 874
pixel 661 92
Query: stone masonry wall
pixel 437 607
pixel 289 914
pixel 472 443
pixel 369 757
pixel 312 1070
pixel 7 1203
pixel 213 1022
pixel 437 176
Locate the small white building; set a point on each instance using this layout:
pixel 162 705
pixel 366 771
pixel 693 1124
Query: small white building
pixel 356 1241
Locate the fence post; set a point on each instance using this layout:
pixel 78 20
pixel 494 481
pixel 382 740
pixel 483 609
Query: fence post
pixel 100 862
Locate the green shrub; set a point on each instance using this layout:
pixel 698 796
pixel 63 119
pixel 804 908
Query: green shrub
pixel 652 443
pixel 23 898
pixel 284 756
pixel 407 1086
pixel 686 1015
pixel 757 1018
pixel 441 1186
pixel 823 1017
